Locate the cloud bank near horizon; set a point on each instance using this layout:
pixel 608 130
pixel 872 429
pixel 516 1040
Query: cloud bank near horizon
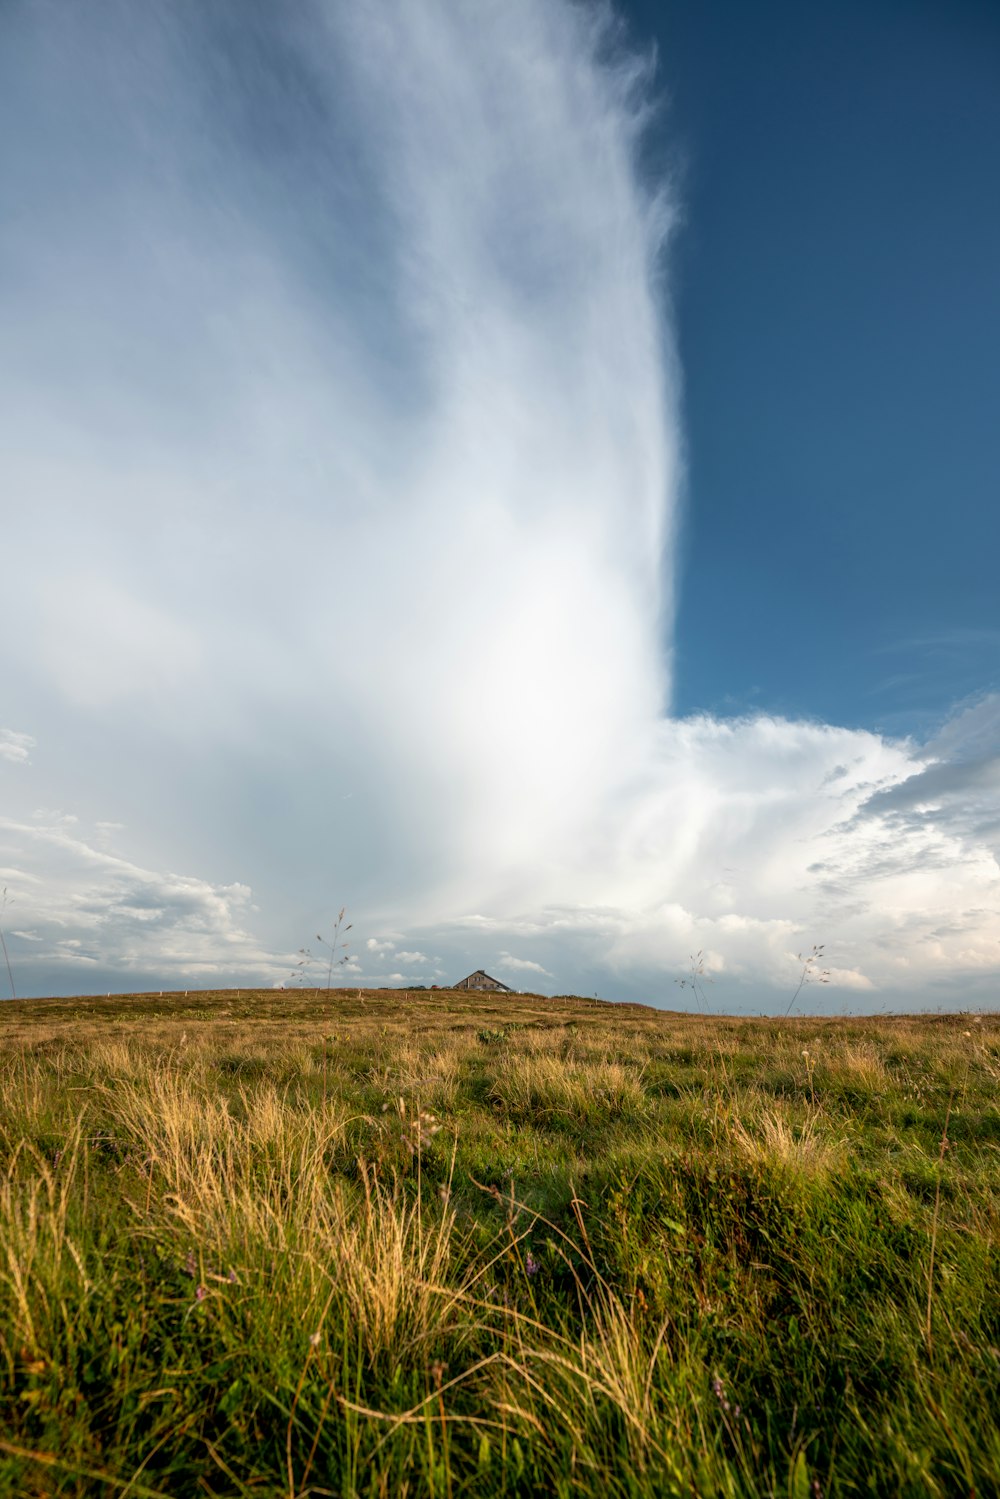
pixel 343 491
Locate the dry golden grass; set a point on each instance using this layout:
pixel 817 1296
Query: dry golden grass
pixel 540 1085
pixel 770 1136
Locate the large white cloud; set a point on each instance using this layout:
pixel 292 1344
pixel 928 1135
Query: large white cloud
pixel 748 841
pixel 340 503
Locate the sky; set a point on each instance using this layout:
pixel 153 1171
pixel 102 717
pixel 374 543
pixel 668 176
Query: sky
pixel 524 472
pixel 838 313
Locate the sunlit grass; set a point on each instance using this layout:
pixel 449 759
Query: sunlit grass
pixel 376 1244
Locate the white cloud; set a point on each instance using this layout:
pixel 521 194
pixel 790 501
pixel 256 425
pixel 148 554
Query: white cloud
pixel 15 747
pixel 79 905
pixel 521 965
pixel 746 842
pixel 849 978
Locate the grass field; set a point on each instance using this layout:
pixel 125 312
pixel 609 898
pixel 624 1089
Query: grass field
pixel 377 1244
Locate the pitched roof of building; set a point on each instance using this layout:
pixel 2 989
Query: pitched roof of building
pixel 480 973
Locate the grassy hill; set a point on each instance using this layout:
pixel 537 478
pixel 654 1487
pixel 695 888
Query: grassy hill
pixel 448 1244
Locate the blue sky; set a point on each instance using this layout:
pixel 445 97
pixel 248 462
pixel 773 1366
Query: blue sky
pixel 518 470
pixel 838 317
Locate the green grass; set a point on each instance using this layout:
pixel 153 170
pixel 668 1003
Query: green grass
pixel 375 1244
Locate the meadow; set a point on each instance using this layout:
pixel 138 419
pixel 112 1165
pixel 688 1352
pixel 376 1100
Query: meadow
pixel 379 1244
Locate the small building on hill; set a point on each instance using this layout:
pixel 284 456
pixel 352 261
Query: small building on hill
pixel 482 981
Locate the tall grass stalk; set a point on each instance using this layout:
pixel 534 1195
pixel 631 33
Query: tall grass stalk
pixel 3 944
pixel 934 1223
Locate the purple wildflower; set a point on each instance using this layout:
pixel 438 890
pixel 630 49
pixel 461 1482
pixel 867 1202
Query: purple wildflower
pixel 719 1391
pixel 531 1265
pixel 200 1294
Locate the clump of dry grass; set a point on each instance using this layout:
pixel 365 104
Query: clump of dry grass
pixel 768 1135
pixel 536 1086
